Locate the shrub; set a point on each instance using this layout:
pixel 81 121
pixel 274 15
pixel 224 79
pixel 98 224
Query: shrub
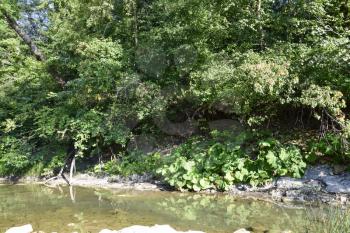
pixel 14 156
pixel 134 163
pixel 330 147
pixel 201 164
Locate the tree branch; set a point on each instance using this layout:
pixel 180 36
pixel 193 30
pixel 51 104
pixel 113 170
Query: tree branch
pixel 32 46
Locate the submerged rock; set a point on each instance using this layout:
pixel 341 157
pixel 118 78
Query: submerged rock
pixel 22 229
pixel 145 229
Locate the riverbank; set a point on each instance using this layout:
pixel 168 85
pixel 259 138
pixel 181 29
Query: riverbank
pixel 320 184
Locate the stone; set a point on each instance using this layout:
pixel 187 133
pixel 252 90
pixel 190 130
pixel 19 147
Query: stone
pixel 144 143
pixel 337 184
pixel 145 229
pixel 289 183
pixel 343 200
pixel 181 129
pixel 276 194
pixel 339 169
pixel 107 231
pixel 22 229
pixel 318 172
pixel 241 231
pixel 314 185
pixel 294 196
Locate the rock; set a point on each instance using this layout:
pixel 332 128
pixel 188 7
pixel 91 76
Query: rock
pixel 22 229
pixel 313 185
pixel 144 143
pixel 226 124
pixel 317 172
pixel 289 183
pixel 181 129
pixel 241 231
pixel 277 194
pixel 337 184
pixel 145 229
pixel 339 169
pixel 107 231
pixel 343 200
pixel 134 178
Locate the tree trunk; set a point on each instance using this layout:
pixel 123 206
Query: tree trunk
pixel 33 48
pixel 72 169
pixel 135 30
pixel 258 13
pixel 28 41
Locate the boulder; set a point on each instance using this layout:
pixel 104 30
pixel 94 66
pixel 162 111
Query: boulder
pixel 337 184
pixel 144 143
pixel 22 229
pixel 318 172
pixel 180 129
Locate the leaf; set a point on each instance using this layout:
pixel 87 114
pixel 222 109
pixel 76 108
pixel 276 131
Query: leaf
pixel 229 177
pixel 188 165
pixel 283 154
pixel 204 183
pixel 271 159
pixel 196 188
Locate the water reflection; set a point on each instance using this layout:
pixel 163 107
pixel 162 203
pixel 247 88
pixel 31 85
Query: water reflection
pixel 68 209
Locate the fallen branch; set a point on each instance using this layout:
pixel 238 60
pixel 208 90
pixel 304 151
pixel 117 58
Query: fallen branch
pixel 69 159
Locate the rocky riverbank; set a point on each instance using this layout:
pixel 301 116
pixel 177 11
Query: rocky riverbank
pixel 320 184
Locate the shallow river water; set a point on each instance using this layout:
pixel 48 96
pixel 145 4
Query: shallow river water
pixel 90 210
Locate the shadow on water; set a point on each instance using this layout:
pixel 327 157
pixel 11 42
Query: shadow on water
pixel 68 209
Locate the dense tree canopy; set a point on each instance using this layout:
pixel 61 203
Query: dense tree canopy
pixel 92 74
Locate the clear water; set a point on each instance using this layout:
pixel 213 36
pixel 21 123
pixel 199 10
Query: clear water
pixel 90 210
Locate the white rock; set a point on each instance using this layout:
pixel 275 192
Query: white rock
pixel 242 231
pixel 144 229
pixel 107 231
pixel 22 229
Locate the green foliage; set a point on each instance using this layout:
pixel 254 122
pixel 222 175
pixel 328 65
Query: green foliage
pixel 124 63
pixel 244 82
pixel 134 163
pixel 330 147
pixel 200 164
pixel 14 156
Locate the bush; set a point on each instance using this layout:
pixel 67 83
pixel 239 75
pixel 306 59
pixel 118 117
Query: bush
pixel 330 147
pixel 201 164
pixel 14 156
pixel 134 163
